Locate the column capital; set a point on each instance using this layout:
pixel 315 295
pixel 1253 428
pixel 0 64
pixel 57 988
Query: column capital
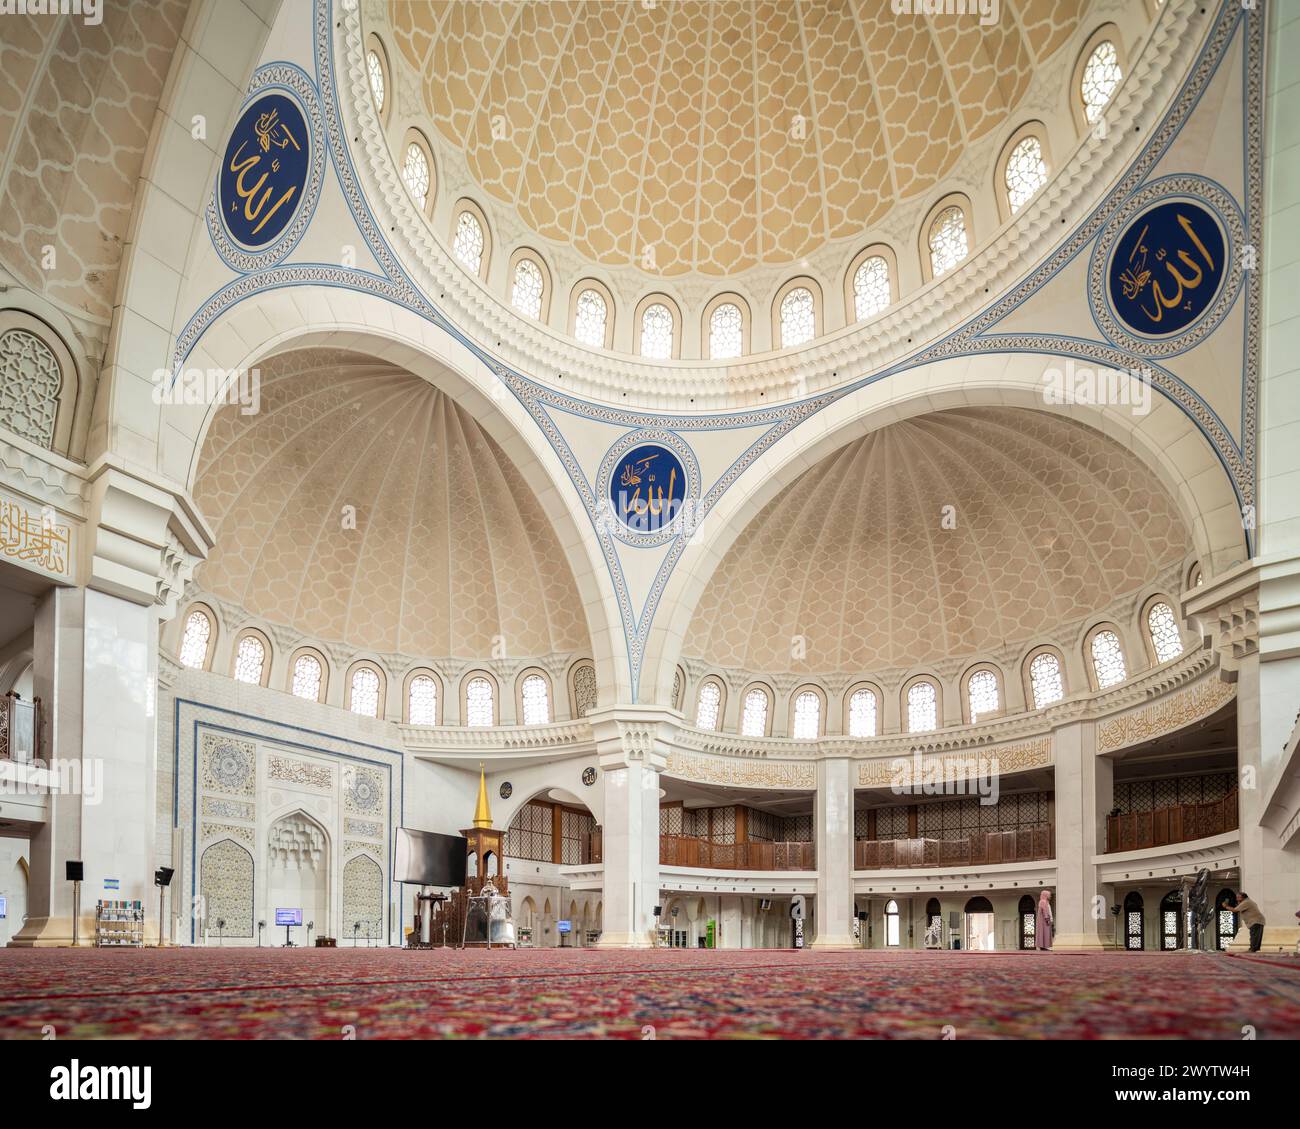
pixel 634 734
pixel 1226 612
pixel 144 537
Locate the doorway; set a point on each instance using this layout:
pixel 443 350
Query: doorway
pixel 980 925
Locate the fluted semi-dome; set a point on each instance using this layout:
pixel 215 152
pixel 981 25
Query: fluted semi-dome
pixel 364 506
pixel 1050 522
pixel 720 134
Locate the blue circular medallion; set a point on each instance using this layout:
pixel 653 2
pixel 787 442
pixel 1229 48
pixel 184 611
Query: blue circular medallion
pixel 647 487
pixel 1166 268
pixel 264 170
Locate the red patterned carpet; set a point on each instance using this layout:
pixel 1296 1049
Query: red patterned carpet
pixel 388 994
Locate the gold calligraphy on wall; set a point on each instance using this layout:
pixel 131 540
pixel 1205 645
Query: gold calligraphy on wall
pixel 748 774
pixel 1000 760
pixel 632 476
pixel 1165 716
pixel 35 539
pixel 271 133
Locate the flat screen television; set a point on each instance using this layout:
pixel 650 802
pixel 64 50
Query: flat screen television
pixel 426 858
pixel 288 917
pixel 564 926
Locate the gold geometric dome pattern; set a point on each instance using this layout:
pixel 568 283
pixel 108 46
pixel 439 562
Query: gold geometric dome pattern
pixel 363 506
pixel 860 561
pixel 718 135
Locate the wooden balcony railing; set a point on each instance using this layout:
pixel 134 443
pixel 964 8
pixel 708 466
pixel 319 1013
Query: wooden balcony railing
pixel 681 850
pixel 1028 844
pixel 1181 823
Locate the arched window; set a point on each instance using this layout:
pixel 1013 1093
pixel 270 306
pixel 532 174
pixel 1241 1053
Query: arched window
pixel 892 932
pixel 707 706
pixel 468 242
pixel 947 240
pixel 250 660
pixel 753 722
pixel 1134 922
pixel 657 332
pixel 1101 75
pixel 422 700
pixel 1165 637
pixel 536 697
pixel 365 692
pixel 1025 172
pixel 307 675
pixel 375 72
pixel 1108 659
pixel 982 694
pixel 807 716
pixel 415 174
pixel 526 293
pixel 479 706
pixel 1045 681
pixel 1028 921
pixel 726 332
pixel 863 713
pixel 798 317
pixel 871 291
pixel 194 643
pixel 922 708
pixel 590 318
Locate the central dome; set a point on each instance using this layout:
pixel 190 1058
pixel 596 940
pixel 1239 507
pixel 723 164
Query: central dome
pixel 714 137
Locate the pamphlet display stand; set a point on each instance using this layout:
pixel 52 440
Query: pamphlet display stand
pixel 119 924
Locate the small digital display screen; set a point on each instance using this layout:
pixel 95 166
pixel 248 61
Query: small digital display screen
pixel 564 926
pixel 288 917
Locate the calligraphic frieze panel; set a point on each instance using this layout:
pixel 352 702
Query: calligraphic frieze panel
pixel 743 774
pixel 907 771
pixel 35 538
pixel 1165 716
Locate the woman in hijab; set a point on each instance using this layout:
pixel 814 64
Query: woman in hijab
pixel 1043 921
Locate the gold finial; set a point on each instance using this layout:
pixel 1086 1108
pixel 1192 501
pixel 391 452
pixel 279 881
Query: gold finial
pixel 482 816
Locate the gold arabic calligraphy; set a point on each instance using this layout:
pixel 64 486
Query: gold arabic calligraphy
pixel 633 473
pixel 32 538
pixel 1137 275
pixel 271 133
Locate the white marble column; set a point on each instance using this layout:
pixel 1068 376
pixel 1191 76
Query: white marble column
pixel 95 665
pixel 834 829
pixel 1079 924
pixel 1270 872
pixel 632 744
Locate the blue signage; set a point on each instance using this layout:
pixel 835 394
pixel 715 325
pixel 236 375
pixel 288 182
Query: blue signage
pixel 264 170
pixel 647 487
pixel 1166 268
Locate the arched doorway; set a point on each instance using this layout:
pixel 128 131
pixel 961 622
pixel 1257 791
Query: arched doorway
pixel 1134 922
pixel 980 925
pixel 298 871
pixel 1171 921
pixel 892 930
pixel 1225 921
pixel 1028 918
pixel 934 921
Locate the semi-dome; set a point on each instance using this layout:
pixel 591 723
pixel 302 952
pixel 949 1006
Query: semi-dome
pixel 953 534
pixel 716 136
pixel 362 505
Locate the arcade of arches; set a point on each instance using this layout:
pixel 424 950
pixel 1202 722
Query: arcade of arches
pixel 786 471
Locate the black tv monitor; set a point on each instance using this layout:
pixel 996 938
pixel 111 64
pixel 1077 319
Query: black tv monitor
pixel 425 858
